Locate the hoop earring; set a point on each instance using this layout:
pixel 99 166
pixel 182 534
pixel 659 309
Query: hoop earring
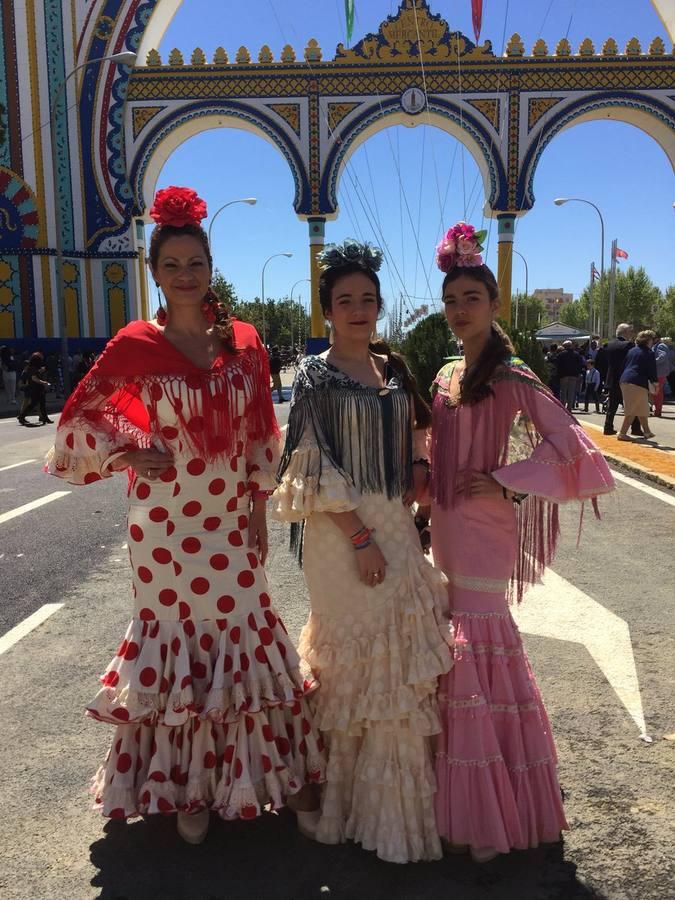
pixel 161 312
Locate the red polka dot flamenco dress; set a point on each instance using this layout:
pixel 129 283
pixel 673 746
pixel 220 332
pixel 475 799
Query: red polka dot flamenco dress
pixel 205 689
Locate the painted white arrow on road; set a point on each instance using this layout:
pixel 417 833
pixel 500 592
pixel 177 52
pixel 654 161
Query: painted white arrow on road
pixel 557 609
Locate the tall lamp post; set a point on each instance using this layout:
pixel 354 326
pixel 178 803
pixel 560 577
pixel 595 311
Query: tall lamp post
pixel 250 200
pixel 559 202
pixel 126 58
pixel 526 288
pixel 299 281
pixel 262 291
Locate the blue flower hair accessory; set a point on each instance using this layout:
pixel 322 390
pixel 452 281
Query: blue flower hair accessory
pixel 350 251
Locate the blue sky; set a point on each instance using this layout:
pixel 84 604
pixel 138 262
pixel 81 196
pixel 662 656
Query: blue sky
pixel 618 167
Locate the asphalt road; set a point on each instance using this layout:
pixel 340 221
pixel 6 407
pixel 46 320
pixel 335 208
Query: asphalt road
pixel 601 637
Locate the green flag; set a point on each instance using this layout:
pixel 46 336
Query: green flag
pixel 349 16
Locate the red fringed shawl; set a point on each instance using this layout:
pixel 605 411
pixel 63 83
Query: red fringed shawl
pixel 140 370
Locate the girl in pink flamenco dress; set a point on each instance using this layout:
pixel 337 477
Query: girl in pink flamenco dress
pixel 505 454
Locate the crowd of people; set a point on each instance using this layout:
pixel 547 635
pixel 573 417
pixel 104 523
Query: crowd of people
pixel 408 718
pixel 631 370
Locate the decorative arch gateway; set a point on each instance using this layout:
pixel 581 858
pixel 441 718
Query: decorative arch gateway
pixel 505 110
pixel 315 111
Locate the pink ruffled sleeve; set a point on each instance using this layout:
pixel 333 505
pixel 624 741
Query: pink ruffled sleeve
pixel 565 465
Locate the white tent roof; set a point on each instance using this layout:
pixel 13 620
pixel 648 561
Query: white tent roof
pixel 558 331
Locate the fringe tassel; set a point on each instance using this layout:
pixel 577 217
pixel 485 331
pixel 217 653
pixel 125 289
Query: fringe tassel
pixel 210 407
pixel 363 433
pixel 297 540
pixel 538 533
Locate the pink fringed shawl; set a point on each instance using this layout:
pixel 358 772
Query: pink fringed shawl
pixel 530 444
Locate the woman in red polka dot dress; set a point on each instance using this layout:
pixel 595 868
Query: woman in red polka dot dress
pixel 205 689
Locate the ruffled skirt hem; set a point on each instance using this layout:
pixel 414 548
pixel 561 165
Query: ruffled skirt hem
pixel 496 765
pixel 236 769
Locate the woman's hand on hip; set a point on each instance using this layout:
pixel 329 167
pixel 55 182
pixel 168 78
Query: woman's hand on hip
pixel 372 564
pixel 482 485
pixel 148 464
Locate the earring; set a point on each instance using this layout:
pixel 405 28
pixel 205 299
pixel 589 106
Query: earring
pixel 208 306
pixel 161 312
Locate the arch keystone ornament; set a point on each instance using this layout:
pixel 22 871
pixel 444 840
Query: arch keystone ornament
pixel 315 110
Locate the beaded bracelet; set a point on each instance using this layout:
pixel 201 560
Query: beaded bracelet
pixel 361 539
pixel 363 545
pixel 359 536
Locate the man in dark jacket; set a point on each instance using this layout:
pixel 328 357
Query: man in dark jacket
pixel 601 364
pixel 569 365
pixel 617 351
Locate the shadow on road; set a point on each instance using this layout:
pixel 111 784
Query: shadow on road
pixel 268 859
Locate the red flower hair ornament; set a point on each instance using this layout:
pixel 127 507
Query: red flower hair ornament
pixel 178 206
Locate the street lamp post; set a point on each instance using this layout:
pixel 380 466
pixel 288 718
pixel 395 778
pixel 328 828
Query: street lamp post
pixel 299 281
pixel 526 289
pixel 559 202
pixel 250 200
pixel 126 58
pixel 262 291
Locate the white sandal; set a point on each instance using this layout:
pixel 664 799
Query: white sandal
pixel 193 827
pixel 308 822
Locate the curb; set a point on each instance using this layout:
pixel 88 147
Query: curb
pixel 628 465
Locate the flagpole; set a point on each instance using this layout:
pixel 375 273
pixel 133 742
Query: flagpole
pixel 612 288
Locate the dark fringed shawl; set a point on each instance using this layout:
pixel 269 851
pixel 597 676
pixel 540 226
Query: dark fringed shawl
pixel 364 433
pixel 140 370
pixel 508 434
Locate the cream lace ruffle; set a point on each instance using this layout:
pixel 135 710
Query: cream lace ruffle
pixel 384 664
pixel 310 484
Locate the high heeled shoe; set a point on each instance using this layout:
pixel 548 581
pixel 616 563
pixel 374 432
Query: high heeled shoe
pixel 193 827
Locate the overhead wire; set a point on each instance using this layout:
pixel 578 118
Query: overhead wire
pixel 355 182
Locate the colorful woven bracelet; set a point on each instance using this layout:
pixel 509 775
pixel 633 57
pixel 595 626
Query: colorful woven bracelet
pixel 363 534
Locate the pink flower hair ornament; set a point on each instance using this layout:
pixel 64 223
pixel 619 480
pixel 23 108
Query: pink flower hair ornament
pixel 461 245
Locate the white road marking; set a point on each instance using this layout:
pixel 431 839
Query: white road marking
pixel 15 465
pixel 34 504
pixel 23 628
pixel 653 492
pixel 559 610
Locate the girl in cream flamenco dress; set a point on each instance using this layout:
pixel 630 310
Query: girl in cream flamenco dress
pixel 378 634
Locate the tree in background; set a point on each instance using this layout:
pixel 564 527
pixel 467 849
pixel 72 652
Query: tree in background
pixel 529 349
pixel 531 311
pixel 665 314
pixel 636 300
pixel 575 313
pixel 283 319
pixel 224 289
pixel 426 348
